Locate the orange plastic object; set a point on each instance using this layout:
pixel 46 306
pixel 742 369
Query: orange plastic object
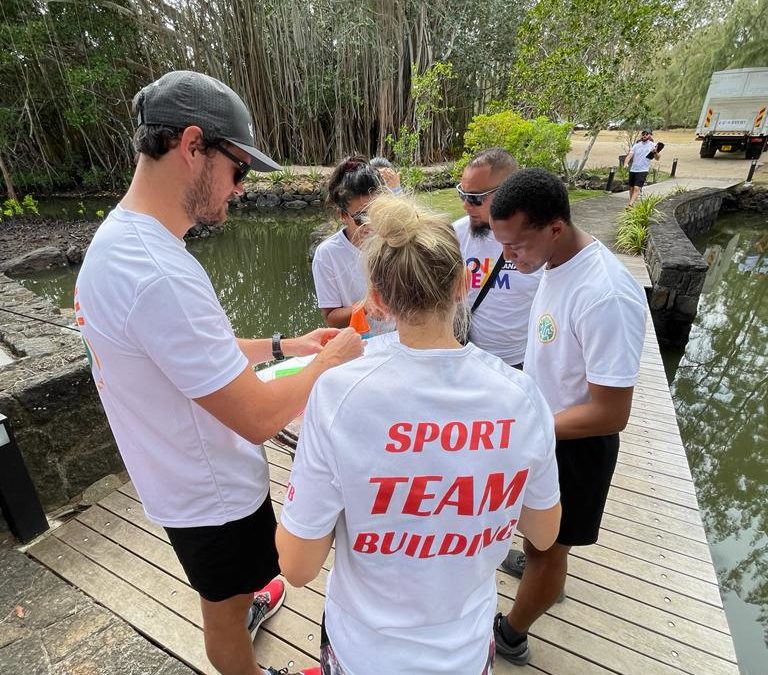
pixel 358 321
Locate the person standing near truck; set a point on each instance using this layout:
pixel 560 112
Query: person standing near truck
pixel 639 161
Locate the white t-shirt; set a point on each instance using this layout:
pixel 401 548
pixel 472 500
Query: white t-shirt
pixel 340 277
pixel 640 161
pixel 587 325
pixel 158 338
pixel 407 455
pixel 500 324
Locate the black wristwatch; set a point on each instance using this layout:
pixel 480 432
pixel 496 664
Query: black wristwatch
pixel 277 351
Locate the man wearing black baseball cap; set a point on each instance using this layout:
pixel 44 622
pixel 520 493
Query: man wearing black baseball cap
pixel 639 162
pixel 183 402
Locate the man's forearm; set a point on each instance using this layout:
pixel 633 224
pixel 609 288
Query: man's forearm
pixel 338 317
pixel 589 419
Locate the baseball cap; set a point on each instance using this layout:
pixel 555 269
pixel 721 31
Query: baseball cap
pixel 646 132
pixel 185 98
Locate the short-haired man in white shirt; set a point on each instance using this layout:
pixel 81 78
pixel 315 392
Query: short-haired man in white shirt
pixel 584 344
pixel 499 323
pixel 183 402
pixel 639 162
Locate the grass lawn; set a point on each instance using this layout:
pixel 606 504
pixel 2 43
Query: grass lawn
pixel 447 200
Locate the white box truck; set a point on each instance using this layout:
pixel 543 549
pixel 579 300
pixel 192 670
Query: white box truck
pixel 735 113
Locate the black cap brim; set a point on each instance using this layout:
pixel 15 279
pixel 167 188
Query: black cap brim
pixel 259 161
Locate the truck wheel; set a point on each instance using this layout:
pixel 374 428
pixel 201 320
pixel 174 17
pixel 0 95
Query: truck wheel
pixel 707 150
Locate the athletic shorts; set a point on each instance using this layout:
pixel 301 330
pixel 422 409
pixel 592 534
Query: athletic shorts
pixel 222 561
pixel 637 178
pixel 586 467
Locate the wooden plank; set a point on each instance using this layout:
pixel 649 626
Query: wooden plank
pixel 622 645
pixel 657 466
pixel 658 521
pixel 687 514
pixel 158 623
pixel 683 486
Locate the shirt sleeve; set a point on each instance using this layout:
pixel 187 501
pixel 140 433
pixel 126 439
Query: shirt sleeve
pixel 314 499
pixel 178 323
pixel 611 333
pixel 543 487
pixel 326 283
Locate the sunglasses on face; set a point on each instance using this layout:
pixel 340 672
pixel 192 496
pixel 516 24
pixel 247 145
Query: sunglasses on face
pixel 242 167
pixel 474 198
pixel 359 217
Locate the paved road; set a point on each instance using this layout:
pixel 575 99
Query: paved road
pixel 680 143
pixel 599 216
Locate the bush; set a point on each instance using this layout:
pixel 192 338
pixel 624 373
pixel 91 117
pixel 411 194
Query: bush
pixel 632 229
pixel 536 142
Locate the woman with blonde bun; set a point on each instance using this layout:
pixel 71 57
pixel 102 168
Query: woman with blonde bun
pixel 421 460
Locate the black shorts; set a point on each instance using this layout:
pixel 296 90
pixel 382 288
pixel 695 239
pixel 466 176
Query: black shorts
pixel 586 467
pixel 637 178
pixel 222 561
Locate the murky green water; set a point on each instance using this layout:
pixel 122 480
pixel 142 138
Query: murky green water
pixel 720 390
pixel 260 270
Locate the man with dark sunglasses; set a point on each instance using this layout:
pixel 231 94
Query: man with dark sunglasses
pixel 499 323
pixel 183 402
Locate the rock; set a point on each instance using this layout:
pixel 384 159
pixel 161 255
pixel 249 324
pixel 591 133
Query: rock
pixel 40 259
pixel 74 255
pixel 305 188
pixel 268 201
pixel 316 203
pixel 296 204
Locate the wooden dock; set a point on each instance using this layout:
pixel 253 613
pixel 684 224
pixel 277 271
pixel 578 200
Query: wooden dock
pixel 644 600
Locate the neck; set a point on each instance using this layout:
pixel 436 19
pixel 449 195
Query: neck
pixel 154 194
pixel 571 242
pixel 431 332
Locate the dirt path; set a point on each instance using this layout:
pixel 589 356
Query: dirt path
pixel 680 143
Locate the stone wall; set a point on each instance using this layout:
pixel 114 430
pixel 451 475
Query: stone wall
pixel 48 395
pixel 676 268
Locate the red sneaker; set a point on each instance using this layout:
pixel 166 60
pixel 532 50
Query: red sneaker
pixel 265 603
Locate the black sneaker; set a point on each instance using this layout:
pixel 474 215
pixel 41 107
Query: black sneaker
pixel 514 564
pixel 519 655
pixel 284 671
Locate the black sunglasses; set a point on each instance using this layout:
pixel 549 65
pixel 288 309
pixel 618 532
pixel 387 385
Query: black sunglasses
pixel 359 217
pixel 242 167
pixel 474 198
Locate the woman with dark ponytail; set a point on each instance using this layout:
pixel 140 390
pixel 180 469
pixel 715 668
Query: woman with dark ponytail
pixel 337 267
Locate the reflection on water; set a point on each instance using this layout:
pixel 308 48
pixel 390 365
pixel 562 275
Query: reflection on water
pixel 720 391
pixel 258 266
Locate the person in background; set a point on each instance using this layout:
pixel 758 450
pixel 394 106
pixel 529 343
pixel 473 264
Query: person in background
pixel 639 162
pixel 585 338
pixel 420 460
pixel 388 173
pixel 337 266
pixel 499 322
pixel 186 409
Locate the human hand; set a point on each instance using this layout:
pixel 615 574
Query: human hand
pixel 344 346
pixel 390 177
pixel 310 343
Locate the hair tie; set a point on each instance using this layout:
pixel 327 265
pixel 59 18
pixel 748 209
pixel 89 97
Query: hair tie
pixel 351 165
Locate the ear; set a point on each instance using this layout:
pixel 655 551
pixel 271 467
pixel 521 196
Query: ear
pixel 557 228
pixel 190 143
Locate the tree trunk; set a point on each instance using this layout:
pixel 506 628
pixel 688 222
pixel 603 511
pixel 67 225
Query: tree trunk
pixel 585 157
pixel 10 191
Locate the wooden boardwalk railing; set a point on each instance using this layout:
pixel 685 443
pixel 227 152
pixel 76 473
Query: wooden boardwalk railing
pixel 644 600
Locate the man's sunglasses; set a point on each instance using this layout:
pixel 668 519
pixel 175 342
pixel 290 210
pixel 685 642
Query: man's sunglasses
pixel 359 217
pixel 242 167
pixel 474 198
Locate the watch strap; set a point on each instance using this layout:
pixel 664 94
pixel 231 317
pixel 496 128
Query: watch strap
pixel 277 351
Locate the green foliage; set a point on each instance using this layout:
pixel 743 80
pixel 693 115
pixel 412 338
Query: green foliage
pixel 412 177
pixel 404 146
pixel 722 37
pixel 315 176
pixel 100 213
pixel 632 228
pixel 536 142
pixel 14 208
pixel 30 205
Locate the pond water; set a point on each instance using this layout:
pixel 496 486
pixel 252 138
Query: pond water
pixel 720 389
pixel 259 268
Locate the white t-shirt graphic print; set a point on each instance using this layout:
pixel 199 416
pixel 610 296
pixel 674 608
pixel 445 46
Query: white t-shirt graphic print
pixel 587 325
pixel 500 324
pixel 421 460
